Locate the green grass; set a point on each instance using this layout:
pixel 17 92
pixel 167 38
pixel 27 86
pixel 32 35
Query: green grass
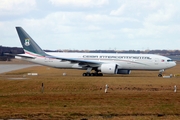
pixel 135 96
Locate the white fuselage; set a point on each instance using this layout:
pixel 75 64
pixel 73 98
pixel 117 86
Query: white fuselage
pixel 124 61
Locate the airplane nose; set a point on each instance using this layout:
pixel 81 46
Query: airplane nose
pixel 174 63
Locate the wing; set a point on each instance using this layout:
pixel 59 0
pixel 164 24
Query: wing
pixel 84 63
pixel 88 63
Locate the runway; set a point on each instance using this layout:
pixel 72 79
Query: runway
pixel 10 67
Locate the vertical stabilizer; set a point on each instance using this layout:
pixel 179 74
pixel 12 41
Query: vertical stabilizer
pixel 28 43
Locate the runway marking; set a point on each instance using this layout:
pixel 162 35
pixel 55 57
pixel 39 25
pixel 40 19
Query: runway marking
pixel 10 67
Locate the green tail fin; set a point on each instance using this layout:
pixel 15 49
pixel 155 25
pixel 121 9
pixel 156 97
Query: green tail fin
pixel 28 43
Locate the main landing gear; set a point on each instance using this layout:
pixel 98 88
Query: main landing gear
pixel 88 73
pixel 92 74
pixel 160 73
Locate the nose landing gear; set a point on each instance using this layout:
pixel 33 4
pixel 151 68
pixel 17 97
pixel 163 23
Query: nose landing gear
pixel 160 73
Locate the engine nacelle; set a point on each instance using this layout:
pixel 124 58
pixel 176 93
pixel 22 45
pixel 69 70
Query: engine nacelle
pixel 109 68
pixel 112 68
pixel 120 71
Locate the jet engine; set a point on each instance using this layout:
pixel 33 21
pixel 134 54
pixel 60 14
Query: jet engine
pixel 112 68
pixel 109 68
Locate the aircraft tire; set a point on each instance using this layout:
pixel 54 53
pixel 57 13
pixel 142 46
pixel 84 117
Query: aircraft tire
pixel 159 75
pixel 88 74
pixel 93 74
pixel 84 74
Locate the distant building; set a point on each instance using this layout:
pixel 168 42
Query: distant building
pixel 11 50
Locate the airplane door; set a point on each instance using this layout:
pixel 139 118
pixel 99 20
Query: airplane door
pixel 48 60
pixel 156 61
pixel 129 65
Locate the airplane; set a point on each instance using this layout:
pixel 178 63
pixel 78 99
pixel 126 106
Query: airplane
pixel 95 64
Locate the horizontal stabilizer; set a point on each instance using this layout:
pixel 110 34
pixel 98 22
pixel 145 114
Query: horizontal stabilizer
pixel 20 55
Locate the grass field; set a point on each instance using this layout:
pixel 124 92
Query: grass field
pixel 140 95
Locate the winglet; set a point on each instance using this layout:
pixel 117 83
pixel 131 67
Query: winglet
pixel 28 43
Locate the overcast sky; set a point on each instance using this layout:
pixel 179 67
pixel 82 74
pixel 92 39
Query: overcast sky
pixel 93 24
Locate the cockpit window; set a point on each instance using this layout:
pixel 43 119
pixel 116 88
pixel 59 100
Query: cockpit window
pixel 169 60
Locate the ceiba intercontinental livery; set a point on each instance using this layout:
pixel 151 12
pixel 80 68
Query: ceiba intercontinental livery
pixel 100 63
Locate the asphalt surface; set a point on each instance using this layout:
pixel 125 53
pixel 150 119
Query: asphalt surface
pixel 10 67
